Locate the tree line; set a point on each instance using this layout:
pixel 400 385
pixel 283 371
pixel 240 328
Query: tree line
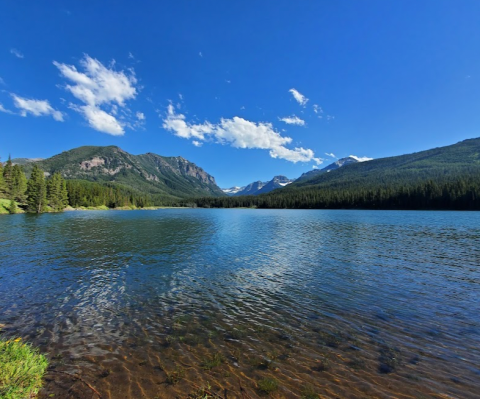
pixel 40 194
pixel 461 193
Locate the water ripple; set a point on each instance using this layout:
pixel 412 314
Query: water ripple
pixel 349 303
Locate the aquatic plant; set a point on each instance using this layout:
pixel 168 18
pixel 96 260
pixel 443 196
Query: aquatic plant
pixel 21 369
pixel 201 393
pixel 175 376
pixel 309 392
pixel 267 385
pixel 212 361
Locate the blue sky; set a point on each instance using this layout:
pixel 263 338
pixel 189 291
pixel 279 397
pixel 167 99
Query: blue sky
pixel 245 89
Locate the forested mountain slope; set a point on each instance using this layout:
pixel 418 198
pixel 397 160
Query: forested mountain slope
pixel 173 177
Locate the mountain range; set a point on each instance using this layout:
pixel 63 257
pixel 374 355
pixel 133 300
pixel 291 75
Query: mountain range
pixel 259 187
pixel 170 177
pixel 440 178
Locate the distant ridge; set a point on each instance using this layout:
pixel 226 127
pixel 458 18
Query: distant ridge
pixel 335 165
pixel 24 161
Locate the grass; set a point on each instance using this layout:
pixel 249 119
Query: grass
pixel 21 369
pixel 5 207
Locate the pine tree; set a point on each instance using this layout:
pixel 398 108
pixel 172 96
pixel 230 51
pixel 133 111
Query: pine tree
pixel 36 191
pixel 19 184
pixel 64 194
pixel 56 193
pixel 2 182
pixel 7 177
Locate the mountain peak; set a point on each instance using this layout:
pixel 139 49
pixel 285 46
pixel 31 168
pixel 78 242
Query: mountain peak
pixel 259 187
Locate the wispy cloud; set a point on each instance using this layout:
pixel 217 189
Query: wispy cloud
pixel 200 54
pixel 361 159
pixel 293 120
pixel 331 154
pixel 197 143
pixel 299 97
pixel 238 133
pixel 102 91
pixel 16 53
pixel 7 111
pixel 36 107
pixel 2 82
pixel 317 109
pixel 140 116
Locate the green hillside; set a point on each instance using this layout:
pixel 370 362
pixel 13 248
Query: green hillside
pixel 167 178
pixel 438 164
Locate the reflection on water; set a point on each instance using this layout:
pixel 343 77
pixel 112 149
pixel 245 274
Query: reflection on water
pixel 245 303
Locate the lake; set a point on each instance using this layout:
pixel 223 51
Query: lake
pixel 242 303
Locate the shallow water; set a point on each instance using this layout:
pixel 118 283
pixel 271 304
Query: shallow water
pixel 337 304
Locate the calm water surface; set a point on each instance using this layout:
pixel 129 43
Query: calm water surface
pixel 330 304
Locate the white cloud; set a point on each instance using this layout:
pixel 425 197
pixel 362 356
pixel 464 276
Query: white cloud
pixel 130 56
pixel 180 95
pixel 99 87
pixel 239 133
pixel 36 108
pixel 200 54
pixel 314 167
pixel 360 159
pixel 16 53
pixel 293 120
pixel 7 111
pixel 140 116
pixel 317 109
pixel 197 143
pixel 331 155
pixel 300 98
pixel 100 120
pixel 329 117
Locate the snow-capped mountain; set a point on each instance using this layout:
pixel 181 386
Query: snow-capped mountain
pixel 258 187
pixel 335 165
pixel 276 182
pixel 232 190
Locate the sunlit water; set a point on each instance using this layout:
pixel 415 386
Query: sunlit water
pixel 331 304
